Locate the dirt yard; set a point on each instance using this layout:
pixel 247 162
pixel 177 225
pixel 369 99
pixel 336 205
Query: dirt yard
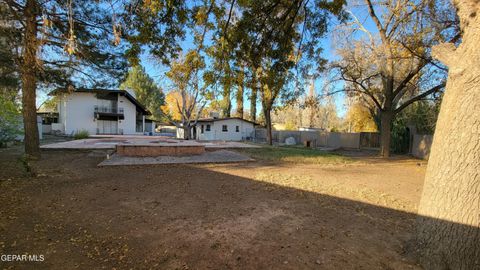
pixel 255 215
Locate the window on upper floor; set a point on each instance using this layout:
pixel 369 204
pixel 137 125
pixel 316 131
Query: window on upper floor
pixel 208 128
pixel 237 128
pixel 224 128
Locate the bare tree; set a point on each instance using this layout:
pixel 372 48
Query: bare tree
pixel 392 66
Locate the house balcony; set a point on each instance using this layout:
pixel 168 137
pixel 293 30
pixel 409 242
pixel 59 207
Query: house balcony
pixel 108 113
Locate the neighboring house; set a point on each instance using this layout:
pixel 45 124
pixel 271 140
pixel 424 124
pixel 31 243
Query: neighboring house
pixel 48 119
pixel 224 129
pixel 100 111
pixel 165 129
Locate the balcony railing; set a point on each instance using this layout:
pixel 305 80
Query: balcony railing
pixel 103 109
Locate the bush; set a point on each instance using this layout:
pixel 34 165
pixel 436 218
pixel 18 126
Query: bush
pixel 10 122
pixel 81 134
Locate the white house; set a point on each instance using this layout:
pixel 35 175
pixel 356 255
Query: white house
pixel 100 111
pixel 224 129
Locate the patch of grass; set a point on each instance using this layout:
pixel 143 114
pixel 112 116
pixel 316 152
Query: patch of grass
pixel 295 154
pixel 81 134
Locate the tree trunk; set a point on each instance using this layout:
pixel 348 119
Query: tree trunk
pixel 29 83
pixel 253 100
pixel 239 99
pixel 448 227
pixel 385 133
pixel 268 124
pixel 186 132
pixel 227 105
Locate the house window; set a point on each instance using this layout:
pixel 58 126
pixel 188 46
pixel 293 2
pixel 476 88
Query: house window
pixel 201 129
pixel 224 128
pixel 208 128
pixel 237 128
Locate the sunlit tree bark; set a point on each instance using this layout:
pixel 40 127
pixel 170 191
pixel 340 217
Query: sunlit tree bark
pixel 448 231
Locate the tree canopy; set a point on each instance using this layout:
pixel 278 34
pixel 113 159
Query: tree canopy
pixel 391 64
pixel 146 91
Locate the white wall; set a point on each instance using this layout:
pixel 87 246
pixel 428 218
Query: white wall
pixel 129 111
pixel 61 114
pixel 76 112
pixel 79 113
pixel 216 133
pixel 46 129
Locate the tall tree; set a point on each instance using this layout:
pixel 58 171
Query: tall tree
pixel 147 92
pixel 221 70
pixel 10 40
pixel 192 92
pixel 29 80
pixel 311 104
pixel 188 72
pixel 253 98
pixel 448 230
pixel 79 39
pixel 273 36
pixel 240 81
pixel 392 66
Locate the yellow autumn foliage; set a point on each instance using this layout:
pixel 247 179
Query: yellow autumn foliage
pixel 171 108
pixel 359 119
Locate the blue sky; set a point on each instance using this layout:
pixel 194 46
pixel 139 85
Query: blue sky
pixel 157 71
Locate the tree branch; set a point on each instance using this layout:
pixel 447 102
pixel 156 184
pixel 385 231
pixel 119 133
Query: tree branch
pixel 445 53
pixel 376 20
pixel 419 97
pixel 407 79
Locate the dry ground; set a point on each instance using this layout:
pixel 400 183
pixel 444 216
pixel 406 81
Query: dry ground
pixel 256 215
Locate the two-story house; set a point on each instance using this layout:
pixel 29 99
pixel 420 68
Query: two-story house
pixel 100 111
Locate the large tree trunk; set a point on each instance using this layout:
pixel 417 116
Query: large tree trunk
pixel 29 83
pixel 448 227
pixel 268 124
pixel 385 133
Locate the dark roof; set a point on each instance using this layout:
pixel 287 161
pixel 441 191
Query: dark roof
pixel 98 90
pixel 224 118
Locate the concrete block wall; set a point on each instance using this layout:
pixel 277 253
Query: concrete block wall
pixel 420 146
pixel 321 138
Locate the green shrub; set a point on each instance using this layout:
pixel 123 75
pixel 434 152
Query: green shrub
pixel 10 121
pixel 81 134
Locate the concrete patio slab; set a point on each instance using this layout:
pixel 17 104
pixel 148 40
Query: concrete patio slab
pixel 220 156
pixel 111 142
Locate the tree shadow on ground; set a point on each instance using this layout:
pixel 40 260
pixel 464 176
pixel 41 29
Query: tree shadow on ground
pixel 189 217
